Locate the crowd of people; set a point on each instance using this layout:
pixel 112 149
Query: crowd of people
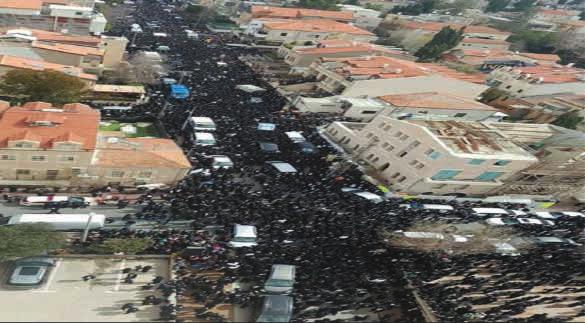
pixel 344 265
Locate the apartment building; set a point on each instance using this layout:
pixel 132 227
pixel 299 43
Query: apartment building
pixel 258 12
pixel 67 16
pixel 490 59
pixel 364 18
pixel 305 32
pixel 438 157
pixel 542 108
pixel 334 75
pixel 41 145
pixel 538 80
pixel 483 44
pixel 92 54
pixel 8 63
pixel 359 109
pixel 301 57
pixel 470 31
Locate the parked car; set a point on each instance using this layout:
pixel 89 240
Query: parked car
pixel 31 271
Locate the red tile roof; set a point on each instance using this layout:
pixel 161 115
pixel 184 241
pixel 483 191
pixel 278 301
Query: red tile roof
pixel 68 48
pixel 29 64
pixel 472 40
pixel 22 4
pixel 553 73
pixel 316 25
pixel 280 12
pixel 75 122
pixel 557 12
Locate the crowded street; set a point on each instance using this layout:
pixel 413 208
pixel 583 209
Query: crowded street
pixel 346 270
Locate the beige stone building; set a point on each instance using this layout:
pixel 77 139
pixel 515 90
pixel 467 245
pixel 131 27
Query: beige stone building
pixel 41 145
pixel 440 157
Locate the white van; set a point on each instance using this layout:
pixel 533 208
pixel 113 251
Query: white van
pixel 61 222
pixel 295 136
pixel 281 279
pixel 202 124
pixel 244 236
pixel 42 200
pixel 221 161
pixel 204 139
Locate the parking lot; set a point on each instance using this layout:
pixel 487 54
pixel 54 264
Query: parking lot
pixel 66 297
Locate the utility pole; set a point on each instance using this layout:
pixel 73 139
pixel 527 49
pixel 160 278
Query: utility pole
pixel 87 225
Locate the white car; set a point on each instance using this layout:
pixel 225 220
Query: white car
pixel 513 221
pixel 558 214
pixel 221 161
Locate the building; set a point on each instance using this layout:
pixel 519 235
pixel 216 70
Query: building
pixel 301 57
pixel 334 75
pixel 108 94
pixel 439 106
pixel 8 63
pixel 490 59
pixel 470 31
pixel 541 109
pixel 358 109
pixel 258 12
pixel 431 83
pixel 305 32
pixel 67 16
pixel 483 44
pixel 537 80
pixel 92 54
pixel 364 18
pixel 41 145
pixel 439 157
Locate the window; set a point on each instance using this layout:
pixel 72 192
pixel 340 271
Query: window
pixel 23 172
pixel 475 161
pixel 369 112
pixel 7 157
pixel 390 148
pixel 402 154
pixel 420 166
pixel 404 137
pixel 489 176
pixel 414 144
pixel 23 145
pixel 375 160
pixel 78 13
pixel 460 115
pixel 144 174
pixel 283 34
pixel 370 135
pixel 370 156
pixel 502 163
pixel 414 162
pixel 66 159
pixel 445 174
pixel 384 167
pixel 117 173
pixel 395 175
pixel 39 158
pixel 401 179
pixel 398 134
pixel 52 173
pixel 508 87
pixel 385 145
pixel 432 154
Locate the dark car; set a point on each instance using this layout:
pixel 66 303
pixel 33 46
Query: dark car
pixel 268 147
pixel 307 148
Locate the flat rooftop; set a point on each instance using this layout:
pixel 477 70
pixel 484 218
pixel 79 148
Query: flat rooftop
pixel 65 297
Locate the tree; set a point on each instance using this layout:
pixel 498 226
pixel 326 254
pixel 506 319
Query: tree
pixel 570 47
pixel 319 4
pixel 26 240
pixel 127 246
pixel 534 41
pixel 497 5
pixel 444 40
pixel 375 6
pixel 582 15
pixel 352 2
pixel 568 120
pixel 523 5
pixel 47 86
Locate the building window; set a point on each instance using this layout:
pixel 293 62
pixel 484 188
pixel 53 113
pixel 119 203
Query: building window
pixel 283 34
pixel 7 157
pixel 402 154
pixel 460 115
pixel 433 154
pixel 384 167
pixel 398 134
pixel 38 158
pixel 369 112
pixel 489 176
pixel 144 174
pixel 445 174
pixel 414 144
pixel 23 145
pixel 52 173
pixel 384 145
pixel 395 175
pixel 23 172
pixel 387 128
pixel 390 148
pixel 375 160
pixel 370 156
pixel 370 135
pixel 502 163
pixel 117 173
pixel 475 161
pixel 67 146
pixel 404 137
pixel 414 162
pixel 66 159
pixel 401 179
pixel 420 166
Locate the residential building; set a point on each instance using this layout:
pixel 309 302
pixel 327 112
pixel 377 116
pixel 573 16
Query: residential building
pixel 92 54
pixel 557 16
pixel 301 57
pixel 470 31
pixel 305 31
pixel 438 157
pixel 483 44
pixel 541 109
pixel 439 106
pixel 334 75
pixel 67 16
pixel 358 109
pixel 538 80
pixel 258 12
pixel 108 94
pixel 488 59
pixel 41 145
pixel 431 83
pixel 364 18
pixel 8 63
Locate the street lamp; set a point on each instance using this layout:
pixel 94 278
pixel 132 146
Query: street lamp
pixel 193 110
pixel 87 225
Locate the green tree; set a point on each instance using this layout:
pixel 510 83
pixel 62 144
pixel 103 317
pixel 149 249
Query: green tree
pixel 523 5
pixel 497 5
pixel 569 120
pixel 194 9
pixel 319 4
pixel 47 86
pixel 25 240
pixel 375 6
pixel 534 41
pixel 352 2
pixel 128 246
pixel 582 15
pixel 444 40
